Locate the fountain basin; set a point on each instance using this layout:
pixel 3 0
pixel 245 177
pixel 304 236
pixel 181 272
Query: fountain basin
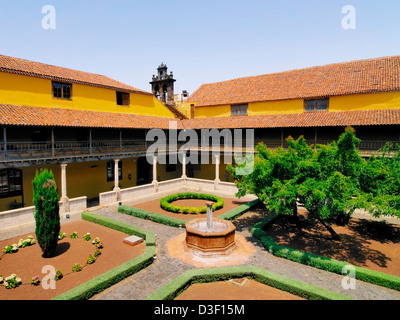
pixel 218 241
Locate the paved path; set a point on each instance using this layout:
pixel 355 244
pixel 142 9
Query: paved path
pixel 164 269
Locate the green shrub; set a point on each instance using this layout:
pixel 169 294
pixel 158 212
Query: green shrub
pixel 76 267
pixel 156 217
pixel 237 212
pixel 47 216
pixel 165 203
pixel 296 287
pixel 320 262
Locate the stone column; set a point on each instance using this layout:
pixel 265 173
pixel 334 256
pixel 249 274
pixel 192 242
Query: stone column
pixel 209 217
pixel 64 197
pixel 155 182
pixel 217 180
pixel 116 180
pixel 184 165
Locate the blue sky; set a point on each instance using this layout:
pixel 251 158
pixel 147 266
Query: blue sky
pixel 200 41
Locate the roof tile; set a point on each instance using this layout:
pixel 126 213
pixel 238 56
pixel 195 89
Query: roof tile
pixel 46 71
pixel 39 116
pixel 355 77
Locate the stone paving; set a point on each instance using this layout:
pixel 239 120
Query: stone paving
pixel 166 268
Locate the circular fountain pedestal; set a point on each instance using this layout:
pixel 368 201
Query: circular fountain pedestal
pixel 220 240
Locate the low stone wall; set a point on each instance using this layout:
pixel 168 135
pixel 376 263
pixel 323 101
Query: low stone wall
pixel 131 196
pixel 19 221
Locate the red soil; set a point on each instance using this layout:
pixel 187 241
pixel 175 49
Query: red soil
pixel 28 261
pixel 365 243
pixel 154 206
pixel 247 289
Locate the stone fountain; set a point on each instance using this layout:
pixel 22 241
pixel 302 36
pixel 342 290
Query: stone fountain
pixel 210 236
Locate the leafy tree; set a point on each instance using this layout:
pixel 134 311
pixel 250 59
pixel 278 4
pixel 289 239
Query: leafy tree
pixel 349 159
pixel 380 182
pixel 47 217
pixel 323 178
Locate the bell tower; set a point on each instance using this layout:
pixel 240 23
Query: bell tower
pixel 162 85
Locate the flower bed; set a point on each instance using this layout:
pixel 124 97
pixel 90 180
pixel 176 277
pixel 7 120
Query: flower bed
pixel 321 261
pixel 181 283
pixel 29 280
pixel 166 203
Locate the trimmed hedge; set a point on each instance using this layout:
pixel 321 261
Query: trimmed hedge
pixel 237 212
pixel 115 275
pixel 156 217
pixel 302 289
pixel 320 262
pixel 178 223
pixel 166 204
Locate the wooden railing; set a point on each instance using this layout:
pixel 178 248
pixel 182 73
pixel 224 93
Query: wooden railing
pixel 43 150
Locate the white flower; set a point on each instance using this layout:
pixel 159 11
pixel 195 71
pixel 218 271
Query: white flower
pixel 18 280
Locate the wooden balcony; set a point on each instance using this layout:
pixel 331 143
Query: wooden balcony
pixel 32 152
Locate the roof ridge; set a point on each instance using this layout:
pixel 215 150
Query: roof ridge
pixel 77 76
pixel 46 116
pixel 51 65
pixel 300 69
pixel 339 78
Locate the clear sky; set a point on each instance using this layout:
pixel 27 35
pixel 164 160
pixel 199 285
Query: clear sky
pixel 200 41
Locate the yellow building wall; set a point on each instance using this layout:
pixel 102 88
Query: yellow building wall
pixel 163 175
pixel 184 108
pixel 30 91
pixel 371 101
pixel 213 111
pixel 254 108
pixel 90 178
pixel 207 171
pixel 83 179
pixel 28 174
pixel 276 107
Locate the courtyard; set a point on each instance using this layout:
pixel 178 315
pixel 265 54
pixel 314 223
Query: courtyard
pixel 167 268
pixel 369 243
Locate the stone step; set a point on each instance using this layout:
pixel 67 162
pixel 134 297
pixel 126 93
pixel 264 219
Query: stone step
pixel 133 240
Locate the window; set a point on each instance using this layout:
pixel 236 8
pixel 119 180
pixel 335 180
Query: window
pixel 239 110
pixel 10 183
pixel 110 170
pixel 123 98
pixel 316 104
pixel 62 90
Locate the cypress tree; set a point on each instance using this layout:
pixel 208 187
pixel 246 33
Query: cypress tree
pixel 47 217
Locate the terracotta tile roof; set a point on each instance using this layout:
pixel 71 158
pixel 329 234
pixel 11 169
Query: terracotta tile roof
pixel 355 77
pixel 41 70
pixel 59 117
pixel 306 119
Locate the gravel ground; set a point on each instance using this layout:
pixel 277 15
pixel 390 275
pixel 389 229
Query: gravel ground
pixel 164 269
